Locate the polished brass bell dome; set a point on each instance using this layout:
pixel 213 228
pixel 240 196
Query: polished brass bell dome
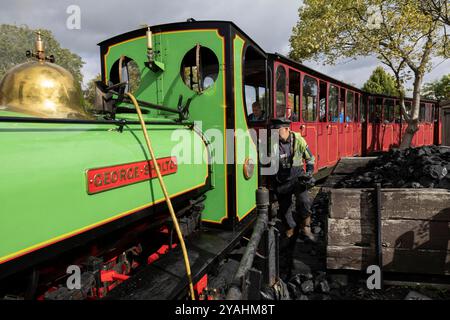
pixel 41 89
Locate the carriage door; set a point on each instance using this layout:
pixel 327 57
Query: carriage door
pixel 349 125
pixel 333 124
pixel 322 126
pixel 387 128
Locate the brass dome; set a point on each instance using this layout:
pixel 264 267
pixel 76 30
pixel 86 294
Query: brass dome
pixel 41 89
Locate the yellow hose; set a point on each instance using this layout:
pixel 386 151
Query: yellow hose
pixel 166 195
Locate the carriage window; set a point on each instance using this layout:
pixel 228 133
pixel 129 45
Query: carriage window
pixel 323 102
pixel 333 103
pixel 388 110
pixel 362 106
pixel 375 106
pixel 397 112
pixel 256 101
pixel 408 107
pixel 281 92
pixel 428 112
pixel 309 106
pixel 199 68
pixel 350 106
pixel 371 114
pixel 422 112
pixel 356 109
pixel 342 105
pixel 293 95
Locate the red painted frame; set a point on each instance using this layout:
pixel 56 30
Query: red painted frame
pixel 329 141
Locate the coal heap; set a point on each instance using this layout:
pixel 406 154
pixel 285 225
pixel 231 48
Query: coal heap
pixel 423 167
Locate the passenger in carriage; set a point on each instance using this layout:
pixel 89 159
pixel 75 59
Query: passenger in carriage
pixel 257 112
pixel 291 115
pixel 340 117
pixel 291 179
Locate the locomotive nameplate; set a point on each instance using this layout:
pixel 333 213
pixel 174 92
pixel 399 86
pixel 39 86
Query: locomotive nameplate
pixel 107 178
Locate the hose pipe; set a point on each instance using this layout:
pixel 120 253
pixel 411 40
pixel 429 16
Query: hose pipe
pixel 166 196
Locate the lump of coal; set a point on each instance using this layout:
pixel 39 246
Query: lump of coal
pixel 323 286
pixel 423 167
pixel 307 286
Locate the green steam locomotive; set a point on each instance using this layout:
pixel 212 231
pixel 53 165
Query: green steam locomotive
pixel 78 187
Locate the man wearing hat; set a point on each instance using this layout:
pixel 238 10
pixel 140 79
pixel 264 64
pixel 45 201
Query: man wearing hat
pixel 291 179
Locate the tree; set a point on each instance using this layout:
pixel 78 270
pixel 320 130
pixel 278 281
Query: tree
pixel 16 40
pixel 440 9
pixel 439 90
pixel 398 32
pixel 381 82
pixel 89 93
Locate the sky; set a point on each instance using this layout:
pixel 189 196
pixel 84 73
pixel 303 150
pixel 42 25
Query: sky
pixel 268 22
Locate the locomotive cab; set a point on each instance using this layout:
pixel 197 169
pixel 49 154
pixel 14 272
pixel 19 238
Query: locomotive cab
pixel 206 71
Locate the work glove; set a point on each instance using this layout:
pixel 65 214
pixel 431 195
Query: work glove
pixel 307 180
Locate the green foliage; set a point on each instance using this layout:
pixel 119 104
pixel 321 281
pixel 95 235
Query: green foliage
pixel 439 89
pixel 381 82
pixel 89 93
pixel 134 76
pixel 439 9
pixel 16 40
pixel 392 29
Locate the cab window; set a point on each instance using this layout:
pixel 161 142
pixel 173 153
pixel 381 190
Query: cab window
pixel 256 102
